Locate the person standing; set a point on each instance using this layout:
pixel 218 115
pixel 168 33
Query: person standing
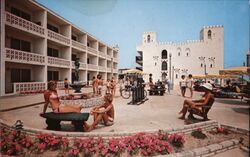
pixel 113 81
pixel 121 84
pixel 66 86
pixel 168 83
pixel 94 84
pixel 183 85
pixel 190 83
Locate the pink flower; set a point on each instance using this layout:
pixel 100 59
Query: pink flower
pixel 104 151
pixel 75 151
pixel 41 146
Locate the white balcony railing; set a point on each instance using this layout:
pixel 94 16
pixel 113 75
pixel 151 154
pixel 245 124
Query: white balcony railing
pixel 58 61
pixel 109 57
pixel 82 65
pixel 92 50
pixel 115 60
pixel 60 85
pixel 78 45
pixel 102 68
pixel 108 69
pixel 58 37
pixel 23 57
pixel 102 54
pixel 23 24
pixel 92 67
pixel 20 87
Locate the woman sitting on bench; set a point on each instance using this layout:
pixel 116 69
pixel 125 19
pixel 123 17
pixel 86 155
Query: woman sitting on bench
pixel 51 97
pixel 103 113
pixel 207 98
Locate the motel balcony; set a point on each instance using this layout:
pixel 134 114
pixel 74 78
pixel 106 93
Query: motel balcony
pixel 23 24
pixel 92 50
pixel 58 62
pixel 102 68
pixel 19 56
pixel 115 70
pixel 102 54
pixel 82 66
pixel 92 67
pixel 115 60
pixel 109 57
pixel 109 69
pixel 78 45
pixel 58 37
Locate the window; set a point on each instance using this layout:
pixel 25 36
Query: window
pixel 73 37
pixel 187 52
pixel 209 34
pixel 88 61
pixel 73 57
pixel 53 28
pixel 176 76
pixel 164 54
pixel 201 65
pixel 164 65
pixel 20 44
pixel 179 51
pixel 53 75
pixel 211 65
pixel 52 52
pixel 148 38
pixel 88 44
pixel 20 13
pixel 20 75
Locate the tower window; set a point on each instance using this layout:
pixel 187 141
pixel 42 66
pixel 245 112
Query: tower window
pixel 164 65
pixel 148 38
pixel 164 54
pixel 201 65
pixel 209 34
pixel 176 76
pixel 211 65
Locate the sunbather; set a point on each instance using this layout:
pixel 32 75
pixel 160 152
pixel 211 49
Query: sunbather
pixel 197 104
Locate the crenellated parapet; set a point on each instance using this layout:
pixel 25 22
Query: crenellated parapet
pixel 213 26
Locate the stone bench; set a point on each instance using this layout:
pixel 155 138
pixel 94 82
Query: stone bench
pixel 53 120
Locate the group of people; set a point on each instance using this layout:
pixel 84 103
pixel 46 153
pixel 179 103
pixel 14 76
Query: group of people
pixel 103 113
pixel 186 83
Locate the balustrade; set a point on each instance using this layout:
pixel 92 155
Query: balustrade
pixel 58 37
pixel 23 57
pixel 23 24
pixel 58 61
pixel 29 86
pixel 92 50
pixel 82 65
pixel 78 45
pixel 92 66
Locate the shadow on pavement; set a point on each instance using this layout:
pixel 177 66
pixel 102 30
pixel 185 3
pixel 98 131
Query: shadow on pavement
pixel 242 110
pixel 231 101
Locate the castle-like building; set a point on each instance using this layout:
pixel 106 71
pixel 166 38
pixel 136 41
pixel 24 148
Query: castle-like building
pixel 168 60
pixel 38 45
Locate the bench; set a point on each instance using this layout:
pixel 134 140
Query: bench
pixel 202 113
pixel 53 120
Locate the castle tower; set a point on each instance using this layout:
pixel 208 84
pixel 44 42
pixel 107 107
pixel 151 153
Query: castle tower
pixel 149 37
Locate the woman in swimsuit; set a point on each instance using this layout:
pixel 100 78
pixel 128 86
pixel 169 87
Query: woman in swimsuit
pixel 51 97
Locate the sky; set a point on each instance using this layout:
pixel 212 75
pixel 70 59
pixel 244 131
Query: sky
pixel 122 22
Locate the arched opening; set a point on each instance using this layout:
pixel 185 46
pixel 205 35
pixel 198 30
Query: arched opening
pixel 148 38
pixel 164 65
pixel 201 65
pixel 164 54
pixel 164 76
pixel 187 52
pixel 209 34
pixel 211 65
pixel 179 51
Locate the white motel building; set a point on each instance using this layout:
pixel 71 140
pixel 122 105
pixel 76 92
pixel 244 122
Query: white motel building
pixel 168 60
pixel 38 45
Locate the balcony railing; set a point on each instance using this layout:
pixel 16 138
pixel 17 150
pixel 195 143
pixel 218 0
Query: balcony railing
pixel 102 54
pixel 92 66
pixel 58 61
pixel 23 24
pixel 115 70
pixel 108 69
pixel 92 50
pixel 78 45
pixel 29 86
pixel 115 60
pixel 109 57
pixel 82 65
pixel 58 37
pixel 102 68
pixel 23 57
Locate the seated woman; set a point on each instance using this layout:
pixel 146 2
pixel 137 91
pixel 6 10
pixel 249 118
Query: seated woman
pixel 103 113
pixel 206 99
pixel 51 97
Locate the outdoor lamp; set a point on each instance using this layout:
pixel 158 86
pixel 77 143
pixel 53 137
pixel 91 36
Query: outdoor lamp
pixel 18 126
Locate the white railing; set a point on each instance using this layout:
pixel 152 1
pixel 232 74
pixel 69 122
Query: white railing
pixel 82 65
pixel 58 37
pixel 58 61
pixel 115 70
pixel 109 57
pixel 23 24
pixel 38 87
pixel 115 60
pixel 108 69
pixel 102 68
pixel 102 54
pixel 92 66
pixel 60 85
pixel 92 50
pixel 23 57
pixel 78 45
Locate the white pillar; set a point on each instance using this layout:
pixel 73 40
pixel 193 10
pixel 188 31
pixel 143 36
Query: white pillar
pixel 2 48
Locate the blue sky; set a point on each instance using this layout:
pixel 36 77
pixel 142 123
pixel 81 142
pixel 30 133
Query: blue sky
pixel 123 21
